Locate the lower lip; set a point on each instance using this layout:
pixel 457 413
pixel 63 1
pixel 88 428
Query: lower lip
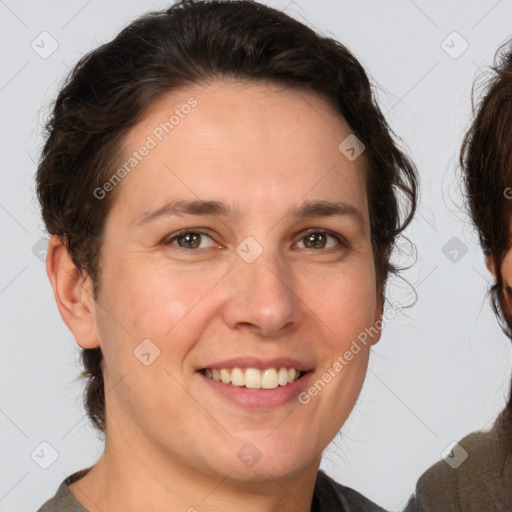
pixel 259 398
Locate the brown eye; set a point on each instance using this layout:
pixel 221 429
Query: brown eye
pixel 318 239
pixel 188 239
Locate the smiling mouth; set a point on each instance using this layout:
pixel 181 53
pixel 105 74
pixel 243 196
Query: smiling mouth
pixel 254 378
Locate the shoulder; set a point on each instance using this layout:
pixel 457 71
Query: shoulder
pixel 330 495
pixel 476 473
pixel 64 500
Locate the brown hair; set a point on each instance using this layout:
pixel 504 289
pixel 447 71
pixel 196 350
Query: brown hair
pixel 486 164
pixel 194 42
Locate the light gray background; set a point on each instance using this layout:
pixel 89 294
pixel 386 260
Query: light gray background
pixel 440 371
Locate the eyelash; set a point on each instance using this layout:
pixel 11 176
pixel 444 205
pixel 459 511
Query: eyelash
pixel 339 238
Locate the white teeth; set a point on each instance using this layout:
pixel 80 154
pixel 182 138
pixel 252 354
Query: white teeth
pixel 253 378
pixel 237 377
pixel 283 376
pixel 269 379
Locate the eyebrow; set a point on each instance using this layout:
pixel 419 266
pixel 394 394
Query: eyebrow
pixel 319 208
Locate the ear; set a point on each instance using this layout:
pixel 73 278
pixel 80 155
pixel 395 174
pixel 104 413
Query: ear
pixel 73 294
pixel 377 321
pixel 489 263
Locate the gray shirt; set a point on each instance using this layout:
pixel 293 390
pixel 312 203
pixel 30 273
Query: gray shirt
pixel 329 496
pixel 481 483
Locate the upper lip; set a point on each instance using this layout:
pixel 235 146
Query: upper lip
pixel 261 364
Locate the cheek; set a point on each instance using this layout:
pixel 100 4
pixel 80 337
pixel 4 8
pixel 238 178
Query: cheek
pixel 167 304
pixel 506 276
pixel 346 304
pixel 158 303
pixel 506 269
pixel 145 303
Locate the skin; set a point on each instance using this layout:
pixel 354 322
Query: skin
pixel 505 269
pixel 172 442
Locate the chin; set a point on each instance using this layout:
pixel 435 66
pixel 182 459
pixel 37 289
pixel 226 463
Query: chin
pixel 261 460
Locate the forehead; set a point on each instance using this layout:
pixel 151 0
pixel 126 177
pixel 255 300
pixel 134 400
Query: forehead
pixel 251 143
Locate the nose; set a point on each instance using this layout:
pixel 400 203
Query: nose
pixel 262 299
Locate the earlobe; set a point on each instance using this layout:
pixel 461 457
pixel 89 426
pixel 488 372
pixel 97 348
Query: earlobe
pixel 73 294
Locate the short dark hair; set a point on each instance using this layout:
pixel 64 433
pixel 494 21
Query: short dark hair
pixel 193 43
pixel 486 165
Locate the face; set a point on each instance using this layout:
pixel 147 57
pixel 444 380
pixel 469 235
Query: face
pixel 247 279
pixel 506 275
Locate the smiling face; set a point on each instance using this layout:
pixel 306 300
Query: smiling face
pixel 257 277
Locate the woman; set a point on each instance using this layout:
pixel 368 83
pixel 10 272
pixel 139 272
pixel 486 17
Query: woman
pixel 477 474
pixel 223 196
